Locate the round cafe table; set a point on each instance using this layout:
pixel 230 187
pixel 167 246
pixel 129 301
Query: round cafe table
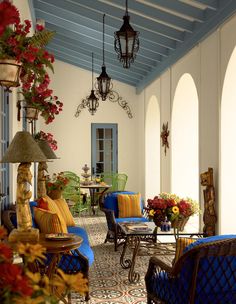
pixel 97 192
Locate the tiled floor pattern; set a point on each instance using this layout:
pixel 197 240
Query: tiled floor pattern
pixel 108 280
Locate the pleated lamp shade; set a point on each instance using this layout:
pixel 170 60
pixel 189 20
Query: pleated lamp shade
pixel 23 149
pixel 46 149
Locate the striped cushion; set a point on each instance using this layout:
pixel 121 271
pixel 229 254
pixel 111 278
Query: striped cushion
pixel 129 205
pixel 65 211
pixel 48 221
pixel 52 206
pixel 181 244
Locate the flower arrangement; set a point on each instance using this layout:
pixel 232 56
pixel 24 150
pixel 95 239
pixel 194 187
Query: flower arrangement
pixel 16 44
pixel 57 182
pixel 171 206
pixel 18 285
pixel 38 95
pixel 48 137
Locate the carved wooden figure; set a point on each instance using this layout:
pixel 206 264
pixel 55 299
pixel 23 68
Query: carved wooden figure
pixel 41 187
pixel 209 215
pixel 23 195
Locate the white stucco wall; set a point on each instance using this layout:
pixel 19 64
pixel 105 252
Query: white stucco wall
pixel 73 134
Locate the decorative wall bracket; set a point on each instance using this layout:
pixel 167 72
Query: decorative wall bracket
pixel 112 96
pixel 164 136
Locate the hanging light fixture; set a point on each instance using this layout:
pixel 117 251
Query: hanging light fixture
pixel 92 101
pixel 103 81
pixel 126 41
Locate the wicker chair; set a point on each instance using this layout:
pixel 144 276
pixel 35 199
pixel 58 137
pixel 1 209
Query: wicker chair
pixel 204 274
pixel 72 193
pixel 110 208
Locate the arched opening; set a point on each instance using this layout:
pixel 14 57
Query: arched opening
pixel 184 142
pixel 228 150
pixel 152 149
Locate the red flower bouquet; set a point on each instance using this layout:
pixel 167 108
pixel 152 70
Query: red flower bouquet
pixel 171 206
pixel 48 137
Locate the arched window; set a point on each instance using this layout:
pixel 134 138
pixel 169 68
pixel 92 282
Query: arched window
pixel 228 150
pixel 152 149
pixel 184 141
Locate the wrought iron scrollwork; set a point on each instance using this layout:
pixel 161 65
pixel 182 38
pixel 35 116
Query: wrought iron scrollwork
pixel 80 107
pixel 112 96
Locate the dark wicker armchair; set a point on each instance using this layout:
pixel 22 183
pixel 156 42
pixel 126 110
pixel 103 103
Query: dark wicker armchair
pixel 110 208
pixel 204 274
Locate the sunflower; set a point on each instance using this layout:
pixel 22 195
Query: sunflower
pixel 152 212
pixel 175 210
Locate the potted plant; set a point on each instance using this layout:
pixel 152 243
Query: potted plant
pixel 20 55
pixel 41 135
pixel 56 184
pixel 37 97
pixel 19 285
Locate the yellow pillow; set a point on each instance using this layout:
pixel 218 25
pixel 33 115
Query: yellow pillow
pixel 129 205
pixel 52 206
pixel 65 211
pixel 48 221
pixel 181 244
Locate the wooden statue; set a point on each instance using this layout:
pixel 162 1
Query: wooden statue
pixel 41 187
pixel 23 195
pixel 209 215
pixel 24 232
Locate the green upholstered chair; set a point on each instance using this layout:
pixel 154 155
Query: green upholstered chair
pixel 72 194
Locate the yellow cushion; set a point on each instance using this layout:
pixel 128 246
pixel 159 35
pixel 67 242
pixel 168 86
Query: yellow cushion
pixel 52 206
pixel 129 205
pixel 48 221
pixel 181 244
pixel 65 211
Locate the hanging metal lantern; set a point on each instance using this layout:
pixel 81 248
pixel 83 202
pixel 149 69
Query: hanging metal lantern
pixel 103 81
pixel 126 41
pixel 92 103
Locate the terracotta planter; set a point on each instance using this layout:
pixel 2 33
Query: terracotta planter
pixel 9 73
pixel 55 194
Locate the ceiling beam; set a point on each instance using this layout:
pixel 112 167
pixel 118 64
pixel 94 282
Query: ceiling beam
pixel 208 27
pixel 166 38
pixel 181 8
pixel 81 62
pixel 157 15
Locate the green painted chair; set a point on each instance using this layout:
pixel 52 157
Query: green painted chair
pixel 73 195
pixel 116 180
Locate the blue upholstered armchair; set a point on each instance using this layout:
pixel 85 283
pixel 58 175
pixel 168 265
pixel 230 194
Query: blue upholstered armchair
pixel 111 210
pixel 204 274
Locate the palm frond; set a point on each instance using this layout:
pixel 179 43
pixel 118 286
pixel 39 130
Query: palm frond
pixel 42 38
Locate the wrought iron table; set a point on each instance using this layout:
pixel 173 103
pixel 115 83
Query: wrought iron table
pixel 133 239
pixel 93 190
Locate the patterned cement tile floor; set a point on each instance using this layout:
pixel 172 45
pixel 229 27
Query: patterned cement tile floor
pixel 108 280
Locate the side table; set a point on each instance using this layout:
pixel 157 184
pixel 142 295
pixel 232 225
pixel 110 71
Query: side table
pixel 57 248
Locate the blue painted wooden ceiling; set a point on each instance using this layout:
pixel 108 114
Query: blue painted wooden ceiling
pixel 168 30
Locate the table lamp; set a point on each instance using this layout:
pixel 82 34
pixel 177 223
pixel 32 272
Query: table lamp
pixel 24 150
pixel 48 152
